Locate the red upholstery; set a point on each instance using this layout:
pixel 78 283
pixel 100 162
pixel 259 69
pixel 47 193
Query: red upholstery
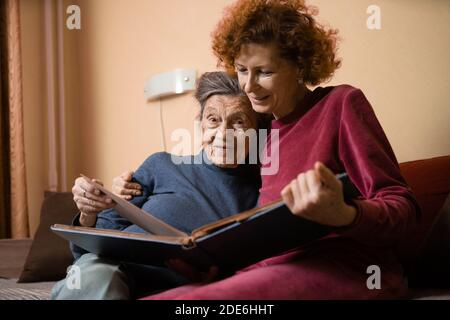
pixel 430 181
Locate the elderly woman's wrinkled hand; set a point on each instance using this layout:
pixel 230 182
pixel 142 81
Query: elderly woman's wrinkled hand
pixel 89 200
pixel 124 188
pixel 317 195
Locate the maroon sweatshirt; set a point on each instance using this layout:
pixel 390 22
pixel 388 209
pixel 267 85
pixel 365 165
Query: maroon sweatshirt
pixel 339 128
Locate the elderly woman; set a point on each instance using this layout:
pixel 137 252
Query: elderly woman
pixel 186 192
pixel 277 50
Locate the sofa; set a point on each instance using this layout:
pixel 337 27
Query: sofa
pixel 29 268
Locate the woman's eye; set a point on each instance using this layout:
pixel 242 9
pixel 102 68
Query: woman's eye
pixel 239 123
pixel 266 73
pixel 241 70
pixel 213 120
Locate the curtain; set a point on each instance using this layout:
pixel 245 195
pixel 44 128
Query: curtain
pixel 13 188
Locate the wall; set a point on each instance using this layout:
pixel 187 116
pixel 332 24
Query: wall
pixel 402 68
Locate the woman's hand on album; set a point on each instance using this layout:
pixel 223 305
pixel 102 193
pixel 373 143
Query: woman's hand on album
pixel 191 273
pixel 89 200
pixel 124 188
pixel 317 195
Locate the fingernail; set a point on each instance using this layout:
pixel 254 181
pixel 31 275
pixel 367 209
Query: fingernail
pixel 97 192
pixel 138 193
pixel 109 200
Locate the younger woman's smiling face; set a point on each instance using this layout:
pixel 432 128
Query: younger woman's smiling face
pixel 270 81
pixel 224 123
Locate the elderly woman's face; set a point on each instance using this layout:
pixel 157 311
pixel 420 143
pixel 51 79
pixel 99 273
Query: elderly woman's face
pixel 225 121
pixel 271 82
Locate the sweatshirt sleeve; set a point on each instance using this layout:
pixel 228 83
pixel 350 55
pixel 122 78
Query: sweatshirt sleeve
pixel 387 208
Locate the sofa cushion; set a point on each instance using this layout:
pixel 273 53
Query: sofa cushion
pixel 11 290
pixel 13 253
pixel 430 181
pixel 50 255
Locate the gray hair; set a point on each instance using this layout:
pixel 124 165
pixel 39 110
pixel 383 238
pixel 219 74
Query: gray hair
pixel 216 83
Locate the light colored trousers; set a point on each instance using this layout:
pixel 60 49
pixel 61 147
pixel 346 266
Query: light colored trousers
pixel 104 279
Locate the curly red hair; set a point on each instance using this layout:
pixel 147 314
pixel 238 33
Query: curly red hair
pixel 288 23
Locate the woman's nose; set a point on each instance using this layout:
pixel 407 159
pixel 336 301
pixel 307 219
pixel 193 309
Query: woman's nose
pixel 224 132
pixel 219 132
pixel 250 84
